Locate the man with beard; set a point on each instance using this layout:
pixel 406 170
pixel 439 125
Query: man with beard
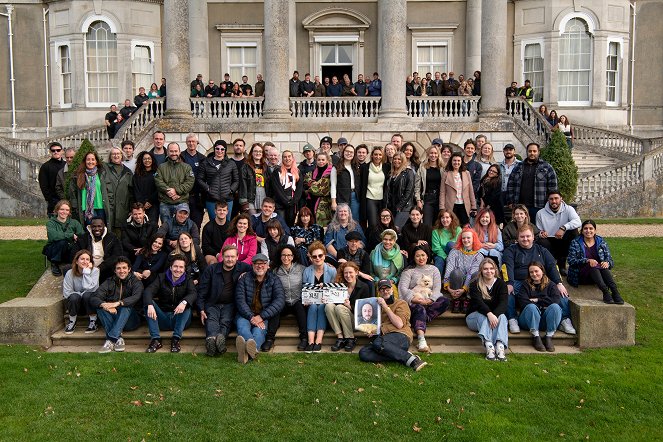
pixel 174 180
pixel 558 224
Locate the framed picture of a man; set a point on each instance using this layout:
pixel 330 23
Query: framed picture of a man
pixel 367 316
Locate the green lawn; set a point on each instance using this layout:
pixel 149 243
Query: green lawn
pixel 607 394
pixel 638 221
pixel 4 222
pixel 21 265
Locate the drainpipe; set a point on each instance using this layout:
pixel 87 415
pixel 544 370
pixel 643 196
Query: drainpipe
pixel 48 104
pixel 630 104
pixel 12 80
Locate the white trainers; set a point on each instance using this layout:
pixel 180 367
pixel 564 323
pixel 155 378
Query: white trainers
pixel 119 345
pixel 500 352
pixel 567 327
pixel 513 326
pixel 422 345
pixel 490 351
pixel 107 347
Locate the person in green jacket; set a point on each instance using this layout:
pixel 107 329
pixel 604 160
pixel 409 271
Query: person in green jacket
pixel 174 180
pixel 87 190
pixel 62 231
pixel 445 234
pixel 119 185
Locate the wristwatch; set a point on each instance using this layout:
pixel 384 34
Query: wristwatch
pixel 563 229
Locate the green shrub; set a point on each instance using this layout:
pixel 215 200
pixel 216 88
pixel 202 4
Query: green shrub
pixel 86 147
pixel 558 154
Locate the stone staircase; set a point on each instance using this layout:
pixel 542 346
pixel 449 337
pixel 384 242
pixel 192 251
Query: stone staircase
pixel 447 334
pixel 588 161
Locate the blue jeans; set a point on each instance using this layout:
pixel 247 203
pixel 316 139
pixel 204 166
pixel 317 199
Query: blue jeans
pixel 219 319
pixel 566 309
pixel 532 319
pixel 511 303
pixel 211 208
pixel 126 318
pixel 166 212
pixel 354 206
pixel 248 331
pixel 440 263
pixel 390 347
pixel 316 318
pixel 479 323
pixel 168 321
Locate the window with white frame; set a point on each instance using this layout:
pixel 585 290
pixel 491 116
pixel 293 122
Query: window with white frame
pixel 142 71
pixel 432 57
pixel 242 60
pixel 65 75
pixel 533 69
pixel 101 64
pixel 336 54
pixel 575 63
pixel 612 73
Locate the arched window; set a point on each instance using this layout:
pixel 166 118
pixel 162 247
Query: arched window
pixel 575 63
pixel 101 64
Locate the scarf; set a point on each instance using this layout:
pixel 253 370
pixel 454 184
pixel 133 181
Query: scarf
pixel 179 281
pixel 374 168
pixel 288 180
pixel 90 189
pixel 384 258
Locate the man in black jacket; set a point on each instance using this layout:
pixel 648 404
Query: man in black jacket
pixel 168 302
pixel 104 245
pixel 137 231
pixel 218 177
pixel 48 173
pixel 216 299
pixel 214 233
pixel 114 302
pixel 141 98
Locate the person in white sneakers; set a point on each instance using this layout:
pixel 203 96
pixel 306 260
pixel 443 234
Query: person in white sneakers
pixel 114 301
pixel 78 286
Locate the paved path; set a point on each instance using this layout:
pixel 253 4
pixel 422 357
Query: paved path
pixel 606 230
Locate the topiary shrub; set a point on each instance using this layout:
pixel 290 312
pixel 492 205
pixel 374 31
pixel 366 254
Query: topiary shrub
pixel 86 147
pixel 558 154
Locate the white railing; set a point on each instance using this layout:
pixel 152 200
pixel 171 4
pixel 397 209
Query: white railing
pixel 244 108
pixel 39 148
pixel 460 108
pixel 607 140
pixel 152 109
pixel 656 159
pixel 603 183
pixel 335 107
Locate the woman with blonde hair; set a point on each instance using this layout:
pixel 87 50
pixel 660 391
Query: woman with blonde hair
pixel 318 273
pixel 195 259
pixel 487 310
pixel 461 266
pixel 286 187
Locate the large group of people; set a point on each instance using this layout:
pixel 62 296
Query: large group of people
pixel 494 239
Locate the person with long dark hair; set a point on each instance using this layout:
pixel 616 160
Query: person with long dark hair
pixel 78 286
pixel 304 232
pixel 242 236
pixel 89 197
pixel 253 180
pixel 415 233
pixel 372 182
pixel 275 238
pixel 385 221
pixel 318 199
pixel 195 260
pixel 445 234
pixel 456 191
pixel 399 196
pixel 151 260
pixel 144 187
pixel 490 192
pixel 427 185
pixel 411 156
pixel 345 181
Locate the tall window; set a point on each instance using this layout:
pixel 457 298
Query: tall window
pixel 101 64
pixel 141 68
pixel 533 69
pixel 242 60
pixel 612 73
pixel 432 57
pixel 575 63
pixel 65 75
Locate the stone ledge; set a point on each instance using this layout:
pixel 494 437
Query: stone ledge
pixel 30 320
pixel 603 325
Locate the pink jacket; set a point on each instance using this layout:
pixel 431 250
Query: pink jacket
pixel 247 247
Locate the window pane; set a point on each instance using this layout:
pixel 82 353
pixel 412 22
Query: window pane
pixel 575 62
pixel 101 63
pixel 533 69
pixel 328 54
pixel 431 59
pixel 250 55
pixel 345 54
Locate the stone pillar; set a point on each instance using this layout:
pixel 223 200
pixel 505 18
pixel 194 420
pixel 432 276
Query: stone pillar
pixel 176 60
pixel 472 37
pixel 198 39
pixel 493 57
pixel 392 31
pixel 277 56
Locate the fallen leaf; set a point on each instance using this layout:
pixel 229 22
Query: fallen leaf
pixel 25 370
pixel 472 393
pixel 438 419
pixel 416 428
pixel 509 399
pixel 173 413
pixel 562 434
pixel 334 383
pixel 137 403
pixel 582 401
pixel 360 390
pixel 148 402
pixel 375 423
pixel 448 400
pixel 135 387
pixel 460 427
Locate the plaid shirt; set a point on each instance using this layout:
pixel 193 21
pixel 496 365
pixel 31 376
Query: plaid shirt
pixel 545 180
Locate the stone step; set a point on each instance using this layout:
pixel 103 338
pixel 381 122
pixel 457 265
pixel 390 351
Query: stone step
pixel 588 161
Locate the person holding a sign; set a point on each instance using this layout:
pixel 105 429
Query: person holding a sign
pixel 317 273
pixel 340 315
pixel 395 334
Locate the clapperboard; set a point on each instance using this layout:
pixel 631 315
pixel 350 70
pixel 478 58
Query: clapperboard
pixel 330 293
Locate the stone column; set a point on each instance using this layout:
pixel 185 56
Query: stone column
pixel 493 57
pixel 277 50
pixel 198 39
pixel 392 31
pixel 176 60
pixel 472 37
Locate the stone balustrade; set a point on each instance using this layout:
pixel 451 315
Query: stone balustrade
pixel 39 148
pixel 606 140
pixel 153 109
pixel 244 108
pixel 365 108
pixel 462 108
pixel 603 183
pixel 525 116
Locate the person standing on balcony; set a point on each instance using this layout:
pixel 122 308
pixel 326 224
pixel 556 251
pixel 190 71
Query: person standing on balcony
pixel 141 98
pixel 375 86
pixel 335 89
pixel 294 85
pixel 359 89
pixel 247 89
pixel 319 89
pixel 531 181
pixel 512 91
pixel 154 91
pixel 476 90
pixel 306 87
pixel 48 173
pixel 259 87
pixel 347 88
pixel 451 85
pixel 162 88
pixel 159 140
pixel 409 86
pixel 197 80
pixel 212 90
pixel 110 120
pixel 126 112
pixel 527 92
pixel 227 82
pixel 174 180
pixel 194 159
pixel 436 85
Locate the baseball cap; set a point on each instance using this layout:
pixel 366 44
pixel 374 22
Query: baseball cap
pixel 259 257
pixel 384 283
pixel 182 207
pixel 437 141
pixel 342 140
pixel 353 236
pixel 308 146
pixel 508 146
pixel 326 140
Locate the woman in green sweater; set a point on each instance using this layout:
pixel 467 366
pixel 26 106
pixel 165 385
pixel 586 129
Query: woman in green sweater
pixel 445 234
pixel 62 232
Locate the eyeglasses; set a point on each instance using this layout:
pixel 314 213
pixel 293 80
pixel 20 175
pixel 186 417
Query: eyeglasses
pixel 384 288
pixel 320 256
pixel 385 216
pixel 220 148
pixel 492 171
pixel 287 255
pixel 56 150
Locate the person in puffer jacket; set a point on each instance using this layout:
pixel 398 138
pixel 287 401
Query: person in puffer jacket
pixel 219 178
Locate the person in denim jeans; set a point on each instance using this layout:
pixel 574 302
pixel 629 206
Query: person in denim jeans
pixel 317 273
pixel 114 302
pixel 168 302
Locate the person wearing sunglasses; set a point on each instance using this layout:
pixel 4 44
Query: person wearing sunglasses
pixel 218 177
pixel 317 273
pixel 48 173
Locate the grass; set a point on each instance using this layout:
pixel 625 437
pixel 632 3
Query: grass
pixel 21 265
pixel 637 221
pixel 603 394
pixel 13 222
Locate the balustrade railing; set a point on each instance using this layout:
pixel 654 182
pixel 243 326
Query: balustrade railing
pixel 244 108
pixel 19 172
pixel 607 140
pixel 656 159
pixel 39 148
pixel 152 109
pixel 536 126
pixel 461 108
pixel 606 182
pixel 335 107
